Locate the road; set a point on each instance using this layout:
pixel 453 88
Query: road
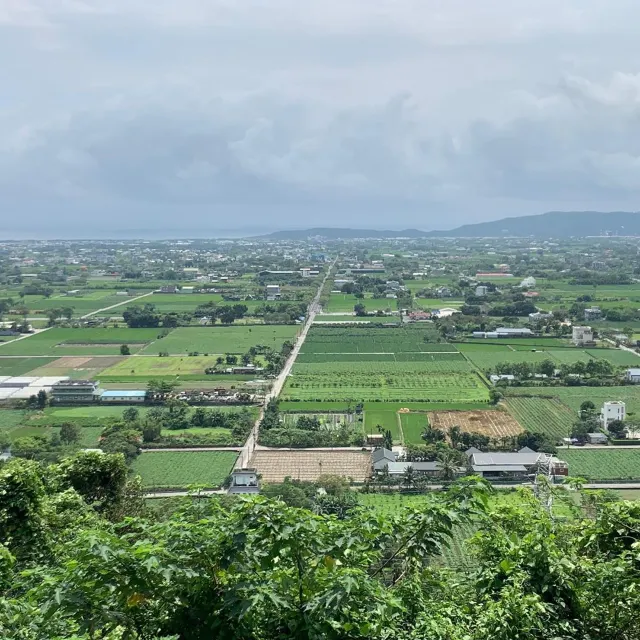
pixel 278 383
pixel 118 304
pixel 24 337
pixel 433 487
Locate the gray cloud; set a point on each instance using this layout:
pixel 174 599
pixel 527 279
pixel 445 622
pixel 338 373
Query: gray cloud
pixel 276 112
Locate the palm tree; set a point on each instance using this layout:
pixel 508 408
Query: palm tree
pixel 448 465
pixel 409 477
pixel 455 435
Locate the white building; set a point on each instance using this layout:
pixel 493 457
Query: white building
pixel 593 313
pixel 633 375
pixel 244 481
pixel 482 291
pixel 305 272
pixel 612 410
pixel 539 317
pixel 273 291
pixel 581 336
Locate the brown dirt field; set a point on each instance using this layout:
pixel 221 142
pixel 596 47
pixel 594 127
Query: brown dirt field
pixel 275 466
pixel 495 424
pixel 60 367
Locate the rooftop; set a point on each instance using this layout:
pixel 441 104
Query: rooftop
pixel 124 393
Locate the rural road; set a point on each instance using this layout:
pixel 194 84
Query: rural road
pixel 434 487
pixel 118 304
pixel 278 383
pixel 24 337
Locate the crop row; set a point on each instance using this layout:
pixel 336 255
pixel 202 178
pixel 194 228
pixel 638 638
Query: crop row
pixel 542 415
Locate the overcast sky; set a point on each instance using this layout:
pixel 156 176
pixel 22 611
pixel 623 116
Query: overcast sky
pixel 201 116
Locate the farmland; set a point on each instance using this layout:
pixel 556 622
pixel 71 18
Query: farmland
pixel 603 464
pixel 21 366
pixel 73 342
pixel 219 339
pixel 343 302
pixel 435 382
pixel 495 424
pixel 542 415
pixel 143 368
pixel 177 470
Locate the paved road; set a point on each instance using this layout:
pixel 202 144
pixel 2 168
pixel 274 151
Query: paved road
pixel 436 487
pixel 252 441
pixel 118 304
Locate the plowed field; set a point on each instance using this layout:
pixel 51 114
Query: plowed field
pixel 495 424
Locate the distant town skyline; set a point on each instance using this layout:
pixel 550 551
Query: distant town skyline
pixel 206 117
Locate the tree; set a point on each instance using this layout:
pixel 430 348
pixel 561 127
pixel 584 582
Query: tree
pixel 360 310
pixel 98 477
pixel 409 477
pixel 42 399
pixel 587 410
pixel 70 433
pixel 616 428
pixel 124 350
pixel 151 431
pixel 448 465
pixel 130 414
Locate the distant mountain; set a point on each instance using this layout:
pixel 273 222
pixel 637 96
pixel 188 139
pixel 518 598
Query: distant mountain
pixel 554 224
pixel 331 233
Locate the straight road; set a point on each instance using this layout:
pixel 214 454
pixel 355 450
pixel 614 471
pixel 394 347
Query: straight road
pixel 278 383
pixel 118 304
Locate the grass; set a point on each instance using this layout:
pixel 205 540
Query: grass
pixel 603 464
pixel 90 435
pixel 377 420
pixel 616 357
pixel 573 397
pixel 348 318
pixel 21 366
pixel 344 302
pixel 11 418
pixel 79 342
pixel 144 367
pixel 232 339
pixel 178 470
pixel 413 424
pixel 542 415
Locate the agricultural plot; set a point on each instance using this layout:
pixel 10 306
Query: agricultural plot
pixel 79 342
pixel 82 304
pixel 177 470
pixel 346 318
pixel 603 464
pixel 542 415
pixel 488 359
pixel 495 424
pixel 573 397
pixel 76 366
pixel 218 339
pixel 382 419
pixel 344 303
pixel 434 382
pixel 142 368
pixel 21 366
pixel 373 340
pixel 329 420
pixel 617 357
pixel 413 425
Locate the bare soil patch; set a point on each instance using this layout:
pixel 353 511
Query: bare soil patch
pixel 495 424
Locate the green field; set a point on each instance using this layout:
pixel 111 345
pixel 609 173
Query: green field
pixel 393 381
pixel 89 438
pixel 347 318
pixel 78 342
pixel 542 415
pixel 85 303
pixel 413 425
pixel 344 302
pixel 21 366
pixel 11 418
pixel 178 470
pixel 573 397
pixel 141 368
pixel 219 339
pixel 487 359
pixel 616 357
pixel 603 464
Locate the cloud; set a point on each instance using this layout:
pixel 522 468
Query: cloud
pixel 436 113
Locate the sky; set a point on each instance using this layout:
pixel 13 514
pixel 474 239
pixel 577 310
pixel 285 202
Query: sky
pixel 192 118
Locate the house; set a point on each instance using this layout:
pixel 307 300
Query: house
pixel 375 439
pixel 504 376
pixel 514 466
pixel 482 291
pixel 393 285
pixel 447 312
pixel 187 289
pixel 381 458
pixel 273 291
pixel 593 313
pixel 244 480
pixel 480 275
pixel 419 316
pixel 125 396
pixel 582 336
pixel 75 392
pixel 597 438
pixel 504 332
pixel 611 411
pixel 443 292
pixel 305 272
pixel 74 293
pixel 633 375
pixel 169 288
pixel 539 317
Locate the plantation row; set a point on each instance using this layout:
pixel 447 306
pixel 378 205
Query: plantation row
pixel 357 386
pixel 542 415
pixel 438 356
pixel 421 367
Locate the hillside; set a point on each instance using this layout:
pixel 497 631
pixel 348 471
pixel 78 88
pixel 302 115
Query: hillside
pixel 554 224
